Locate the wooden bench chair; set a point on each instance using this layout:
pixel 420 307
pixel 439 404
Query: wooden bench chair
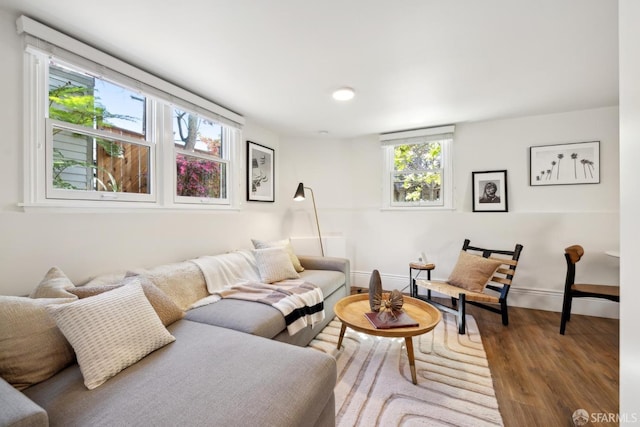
pixel 494 295
pixel 572 255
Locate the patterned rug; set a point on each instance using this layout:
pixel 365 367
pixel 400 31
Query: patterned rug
pixel 374 381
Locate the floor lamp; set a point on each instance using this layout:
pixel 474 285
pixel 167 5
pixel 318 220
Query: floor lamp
pixel 300 196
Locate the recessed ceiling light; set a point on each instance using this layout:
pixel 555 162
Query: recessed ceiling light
pixel 323 132
pixel 344 94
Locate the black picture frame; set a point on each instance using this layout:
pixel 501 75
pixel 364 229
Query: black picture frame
pixel 581 164
pixel 260 173
pixel 489 191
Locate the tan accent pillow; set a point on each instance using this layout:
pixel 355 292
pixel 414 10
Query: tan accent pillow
pixel 286 244
pixel 274 265
pixel 54 285
pixel 183 282
pixel 164 307
pixel 32 348
pixel 110 331
pixel 472 272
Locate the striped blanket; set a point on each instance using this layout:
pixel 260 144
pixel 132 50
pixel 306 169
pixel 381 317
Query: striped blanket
pixel 301 303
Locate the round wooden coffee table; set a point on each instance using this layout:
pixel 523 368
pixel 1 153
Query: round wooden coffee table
pixel 350 310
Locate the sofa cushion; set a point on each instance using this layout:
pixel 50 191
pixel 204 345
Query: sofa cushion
pixel 165 308
pixel 110 331
pixel 251 317
pixel 18 410
pixel 183 282
pixel 327 280
pixel 32 348
pixel 54 285
pixel 274 265
pixel 472 272
pixel 262 319
pixel 214 376
pixel 285 244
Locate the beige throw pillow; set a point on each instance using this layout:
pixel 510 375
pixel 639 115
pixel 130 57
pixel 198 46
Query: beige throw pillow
pixel 165 308
pixel 183 282
pixel 286 244
pixel 54 285
pixel 472 272
pixel 32 348
pixel 274 265
pixel 110 331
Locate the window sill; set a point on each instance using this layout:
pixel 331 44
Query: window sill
pixel 121 207
pixel 416 208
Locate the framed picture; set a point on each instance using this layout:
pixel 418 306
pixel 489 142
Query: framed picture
pixel 489 190
pixel 575 163
pixel 260 173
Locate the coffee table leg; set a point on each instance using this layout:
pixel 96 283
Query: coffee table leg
pixel 412 360
pixel 342 330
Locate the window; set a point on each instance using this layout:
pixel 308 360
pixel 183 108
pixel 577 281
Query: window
pixel 417 168
pixel 97 144
pixel 100 132
pixel 200 158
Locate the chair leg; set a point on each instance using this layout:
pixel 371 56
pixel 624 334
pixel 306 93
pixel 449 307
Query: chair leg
pixel 454 301
pixel 462 321
pixel 505 313
pixel 566 313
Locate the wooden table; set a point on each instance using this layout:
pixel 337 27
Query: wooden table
pixel 350 310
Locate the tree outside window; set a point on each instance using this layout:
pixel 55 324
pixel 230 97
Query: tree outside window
pixel 417 175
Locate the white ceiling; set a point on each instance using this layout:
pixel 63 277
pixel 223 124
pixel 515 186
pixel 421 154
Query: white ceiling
pixel 413 63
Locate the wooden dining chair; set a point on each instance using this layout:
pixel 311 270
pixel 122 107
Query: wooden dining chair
pixel 572 290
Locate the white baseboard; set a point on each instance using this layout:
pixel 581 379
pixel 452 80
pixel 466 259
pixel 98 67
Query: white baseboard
pixel 539 299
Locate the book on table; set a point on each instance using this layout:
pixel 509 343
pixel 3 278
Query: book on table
pixel 387 321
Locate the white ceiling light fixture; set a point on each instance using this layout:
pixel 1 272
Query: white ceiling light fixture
pixel 344 94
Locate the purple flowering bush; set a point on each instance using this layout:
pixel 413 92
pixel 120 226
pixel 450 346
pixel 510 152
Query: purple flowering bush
pixel 197 177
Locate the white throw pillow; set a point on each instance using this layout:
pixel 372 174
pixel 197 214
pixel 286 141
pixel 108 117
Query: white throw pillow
pixel 274 265
pixel 286 244
pixel 110 331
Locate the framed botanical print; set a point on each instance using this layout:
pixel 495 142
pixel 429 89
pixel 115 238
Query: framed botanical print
pixel 574 163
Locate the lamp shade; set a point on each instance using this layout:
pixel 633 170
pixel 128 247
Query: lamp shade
pixel 299 193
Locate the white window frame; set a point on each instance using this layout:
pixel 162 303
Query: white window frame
pixel 388 143
pixel 42 42
pixel 66 194
pixel 227 138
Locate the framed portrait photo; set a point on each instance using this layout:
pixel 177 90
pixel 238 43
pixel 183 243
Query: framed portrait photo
pixel 564 164
pixel 260 173
pixel 489 189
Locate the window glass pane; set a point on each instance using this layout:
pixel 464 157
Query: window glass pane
pixel 417 187
pixel 83 162
pixel 198 177
pixel 194 133
pixel 426 156
pixel 82 99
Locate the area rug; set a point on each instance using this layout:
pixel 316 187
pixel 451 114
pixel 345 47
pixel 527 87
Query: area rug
pixel 374 381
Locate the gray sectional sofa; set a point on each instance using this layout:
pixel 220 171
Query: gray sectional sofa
pixel 232 364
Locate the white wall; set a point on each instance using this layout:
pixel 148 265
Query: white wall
pixel 86 244
pixel 346 177
pixel 629 12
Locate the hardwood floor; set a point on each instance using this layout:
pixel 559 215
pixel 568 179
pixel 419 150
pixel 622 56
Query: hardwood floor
pixel 541 377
